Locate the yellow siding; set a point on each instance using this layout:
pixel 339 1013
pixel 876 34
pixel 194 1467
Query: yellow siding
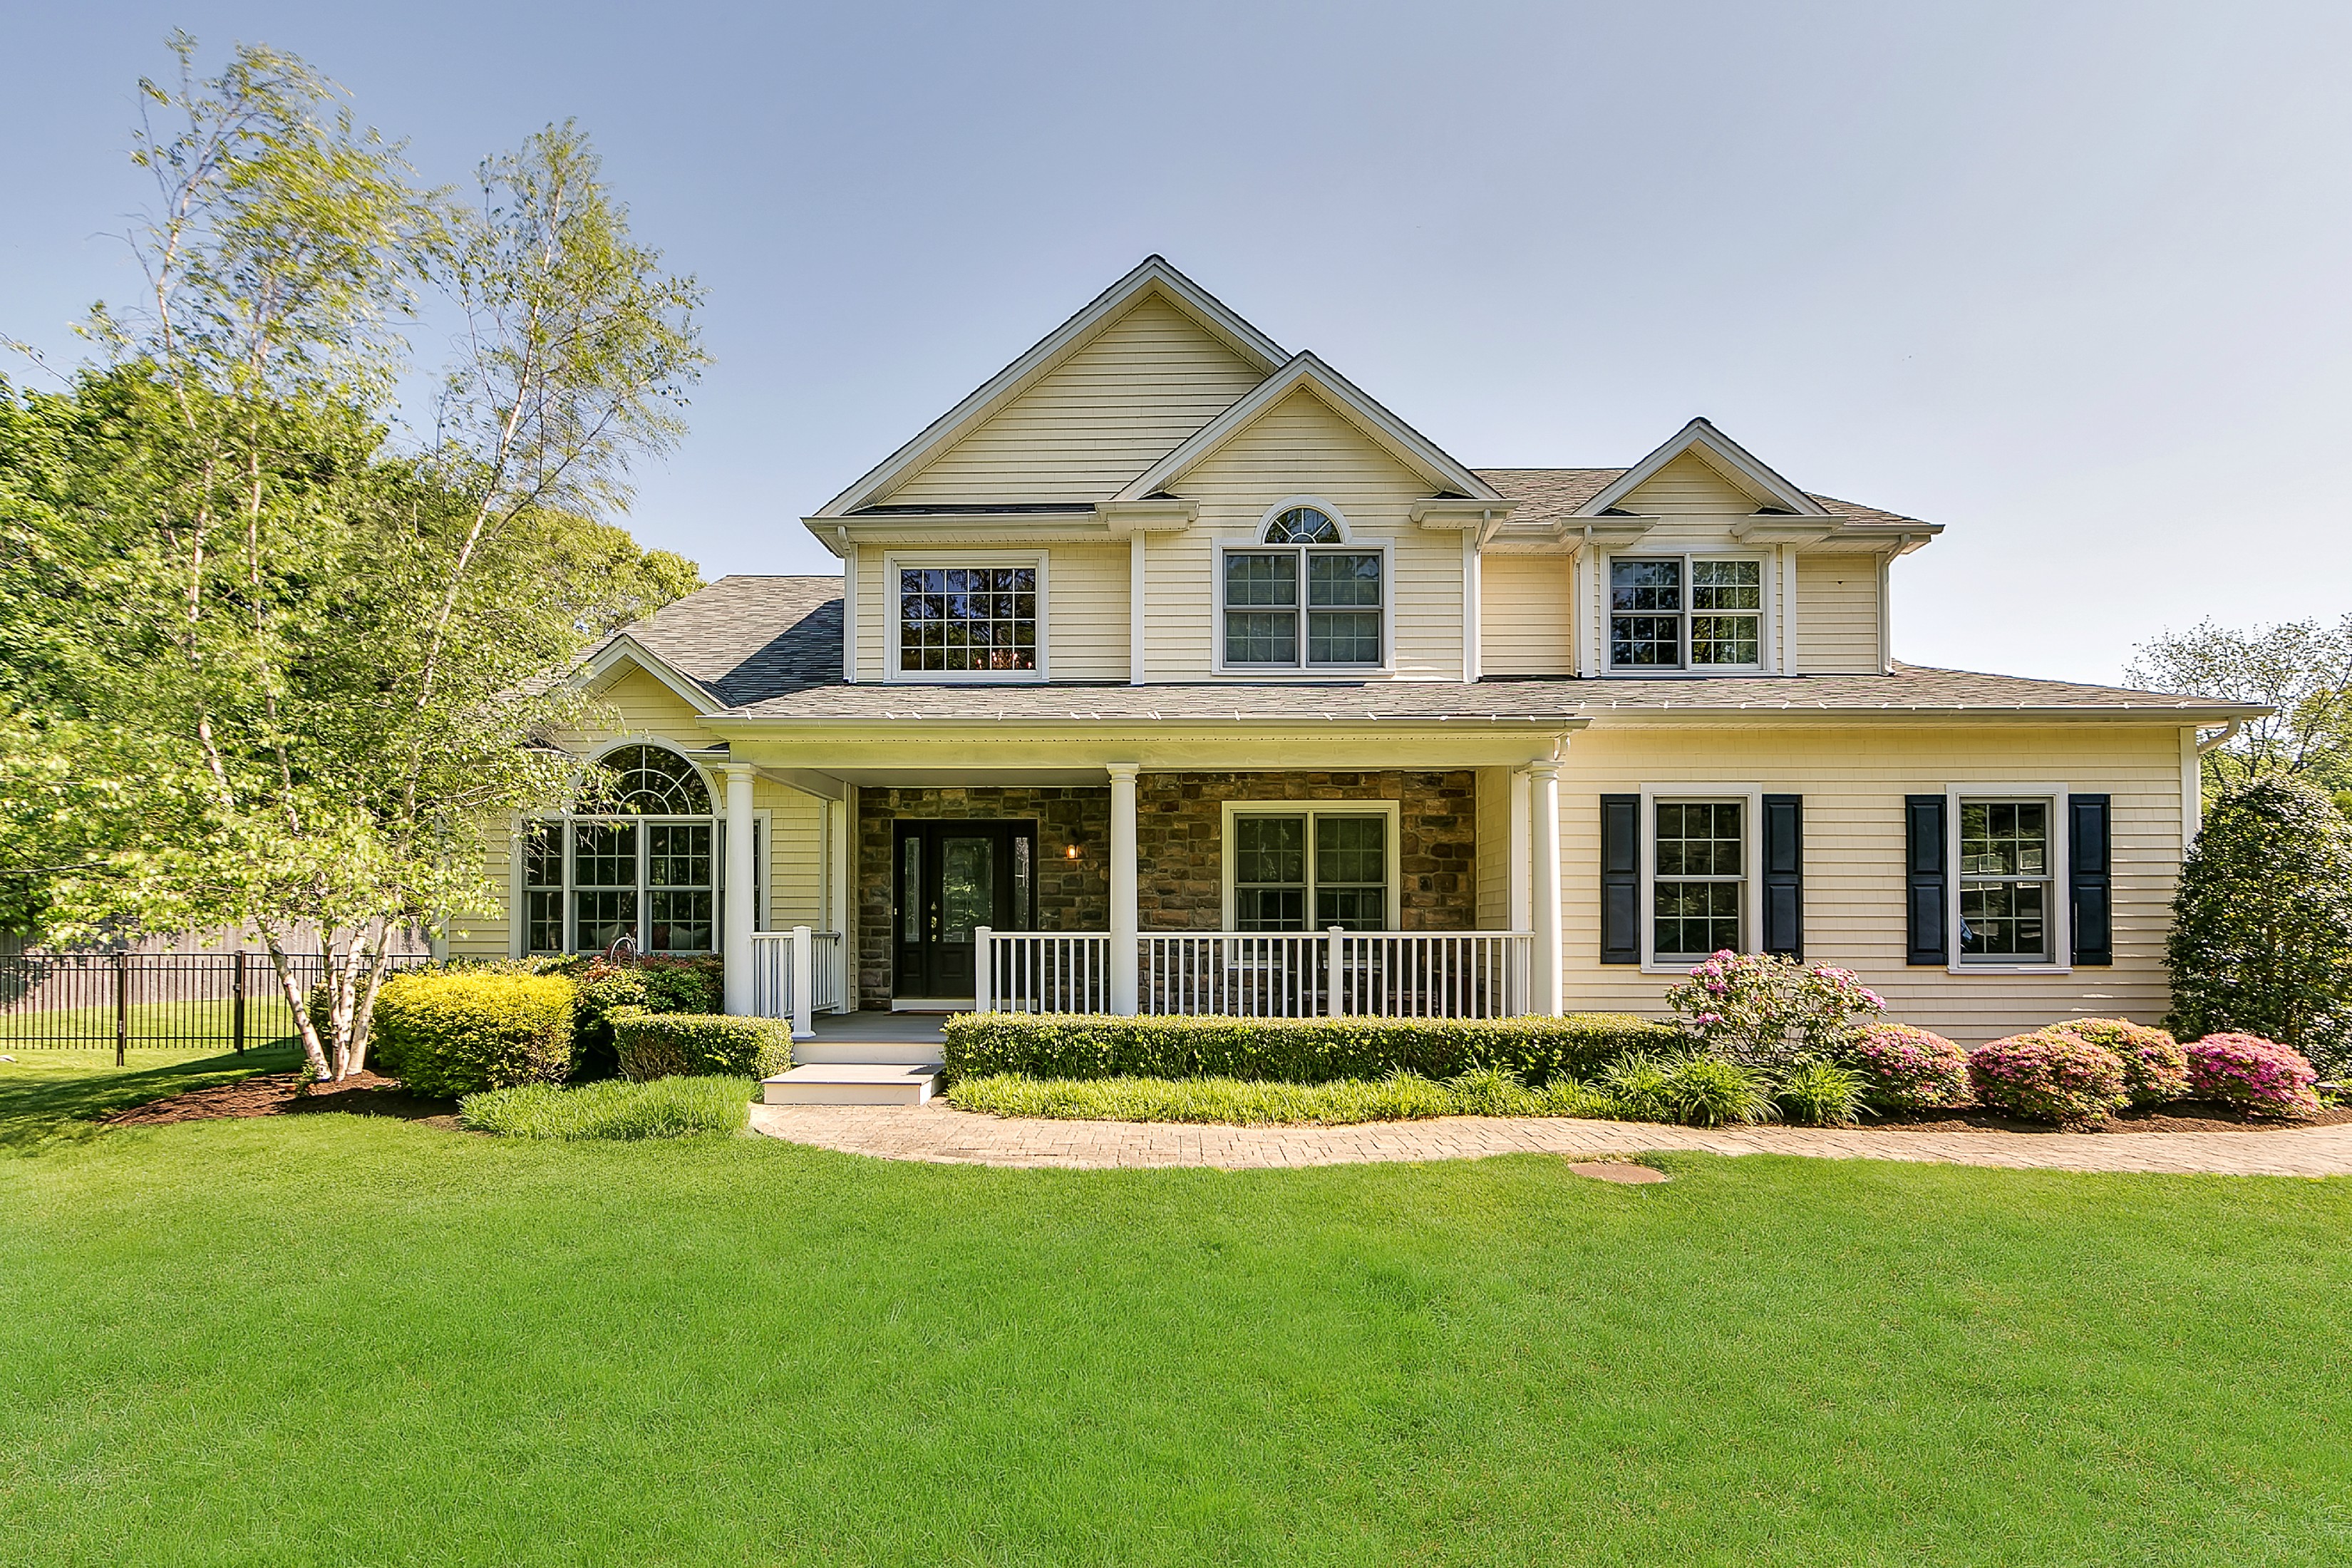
pixel 644 706
pixel 1854 781
pixel 1525 626
pixel 1493 868
pixel 1085 605
pixel 1837 615
pixel 486 936
pixel 1301 447
pixel 1687 484
pixel 1093 422
pixel 797 872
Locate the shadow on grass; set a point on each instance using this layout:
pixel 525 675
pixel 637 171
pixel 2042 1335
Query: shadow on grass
pixel 44 1102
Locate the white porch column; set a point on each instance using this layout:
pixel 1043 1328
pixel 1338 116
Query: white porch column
pixel 742 891
pixel 1543 781
pixel 844 913
pixel 1123 920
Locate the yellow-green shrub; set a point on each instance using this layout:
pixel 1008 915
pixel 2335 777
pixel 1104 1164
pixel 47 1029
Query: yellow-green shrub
pixel 462 1032
pixel 698 1045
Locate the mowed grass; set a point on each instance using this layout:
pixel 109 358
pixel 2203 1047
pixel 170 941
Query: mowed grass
pixel 340 1339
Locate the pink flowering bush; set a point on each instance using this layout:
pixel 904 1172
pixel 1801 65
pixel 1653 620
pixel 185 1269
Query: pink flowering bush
pixel 2156 1068
pixel 2258 1075
pixel 1768 1013
pixel 1910 1069
pixel 2049 1075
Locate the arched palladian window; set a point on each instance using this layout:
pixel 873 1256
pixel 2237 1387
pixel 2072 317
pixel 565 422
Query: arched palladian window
pixel 639 859
pixel 1303 569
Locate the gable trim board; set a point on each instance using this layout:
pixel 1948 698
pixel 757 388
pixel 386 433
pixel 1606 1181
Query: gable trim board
pixel 1152 276
pixel 1728 456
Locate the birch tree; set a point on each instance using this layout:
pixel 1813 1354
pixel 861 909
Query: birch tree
pixel 300 661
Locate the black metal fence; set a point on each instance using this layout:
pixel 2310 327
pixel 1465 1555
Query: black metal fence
pixel 78 1001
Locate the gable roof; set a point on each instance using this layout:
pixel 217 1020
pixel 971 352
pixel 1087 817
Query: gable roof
pixel 1720 452
pixel 1306 372
pixel 740 640
pixel 1556 495
pixel 1154 276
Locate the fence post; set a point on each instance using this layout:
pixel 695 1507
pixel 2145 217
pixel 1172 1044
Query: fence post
pixel 236 1011
pixel 983 973
pixel 1332 978
pixel 803 983
pixel 121 1007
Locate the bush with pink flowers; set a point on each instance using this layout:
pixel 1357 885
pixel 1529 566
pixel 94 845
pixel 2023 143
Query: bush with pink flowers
pixel 2257 1075
pixel 1768 1013
pixel 2049 1075
pixel 2155 1067
pixel 1910 1069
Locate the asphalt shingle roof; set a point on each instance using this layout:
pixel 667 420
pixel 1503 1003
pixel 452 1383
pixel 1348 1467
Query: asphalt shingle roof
pixel 771 647
pixel 1550 495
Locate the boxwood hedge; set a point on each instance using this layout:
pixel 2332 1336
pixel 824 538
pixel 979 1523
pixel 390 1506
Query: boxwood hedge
pixel 700 1045
pixel 459 1033
pixel 1292 1050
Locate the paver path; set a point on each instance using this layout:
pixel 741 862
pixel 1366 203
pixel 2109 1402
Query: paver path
pixel 942 1134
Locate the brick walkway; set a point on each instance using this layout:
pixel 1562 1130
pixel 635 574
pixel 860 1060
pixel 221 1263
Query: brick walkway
pixel 938 1133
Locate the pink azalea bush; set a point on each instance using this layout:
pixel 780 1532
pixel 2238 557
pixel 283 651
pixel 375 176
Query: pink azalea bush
pixel 1768 1013
pixel 2155 1067
pixel 2258 1075
pixel 1910 1069
pixel 2049 1075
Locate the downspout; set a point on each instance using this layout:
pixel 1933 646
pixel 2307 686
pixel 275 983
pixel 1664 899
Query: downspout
pixel 2229 732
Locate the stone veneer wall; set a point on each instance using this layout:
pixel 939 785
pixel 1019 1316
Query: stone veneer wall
pixel 1072 895
pixel 1180 822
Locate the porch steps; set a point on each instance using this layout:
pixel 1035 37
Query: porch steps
pixel 853 1083
pixel 834 1051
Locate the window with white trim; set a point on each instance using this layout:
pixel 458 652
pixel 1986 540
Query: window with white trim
pixel 1686 612
pixel 1303 598
pixel 1698 887
pixel 641 863
pixel 2008 879
pixel 967 620
pixel 1310 870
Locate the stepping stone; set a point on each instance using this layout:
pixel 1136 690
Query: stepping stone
pixel 1617 1171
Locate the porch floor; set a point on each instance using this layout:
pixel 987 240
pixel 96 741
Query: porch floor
pixel 876 1029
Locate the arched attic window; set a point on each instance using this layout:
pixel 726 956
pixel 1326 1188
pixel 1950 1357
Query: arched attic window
pixel 1303 599
pixel 638 859
pixel 1302 525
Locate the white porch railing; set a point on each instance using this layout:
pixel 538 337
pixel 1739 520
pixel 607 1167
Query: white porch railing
pixel 1263 975
pixel 797 973
pixel 1041 971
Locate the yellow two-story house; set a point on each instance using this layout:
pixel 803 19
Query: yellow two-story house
pixel 1170 672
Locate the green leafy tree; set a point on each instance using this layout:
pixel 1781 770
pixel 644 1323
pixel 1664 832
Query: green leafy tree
pixel 278 672
pixel 2261 925
pixel 2301 669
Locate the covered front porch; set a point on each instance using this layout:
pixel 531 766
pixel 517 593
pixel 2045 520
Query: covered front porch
pixel 1344 884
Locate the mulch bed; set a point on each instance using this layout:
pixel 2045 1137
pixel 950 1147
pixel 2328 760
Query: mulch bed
pixel 2184 1115
pixel 291 1094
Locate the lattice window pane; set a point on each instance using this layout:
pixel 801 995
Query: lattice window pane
pixel 968 618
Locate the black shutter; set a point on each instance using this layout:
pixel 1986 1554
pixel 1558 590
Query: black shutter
pixel 1923 846
pixel 1620 878
pixel 1784 875
pixel 2088 857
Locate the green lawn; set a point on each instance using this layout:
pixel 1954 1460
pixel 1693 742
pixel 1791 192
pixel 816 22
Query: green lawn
pixel 336 1339
pixel 267 1019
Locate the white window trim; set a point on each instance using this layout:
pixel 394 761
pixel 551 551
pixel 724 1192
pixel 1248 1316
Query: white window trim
pixel 1392 810
pixel 1339 518
pixel 518 894
pixel 1751 864
pixel 1252 544
pixel 1768 623
pixel 2061 896
pixel 934 560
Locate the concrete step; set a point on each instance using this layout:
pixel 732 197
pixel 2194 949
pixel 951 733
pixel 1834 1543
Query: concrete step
pixel 850 1083
pixel 897 1053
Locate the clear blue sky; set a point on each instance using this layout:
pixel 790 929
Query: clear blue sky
pixel 2070 278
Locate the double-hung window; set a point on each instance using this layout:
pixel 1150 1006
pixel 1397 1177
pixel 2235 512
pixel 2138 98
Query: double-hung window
pixel 1309 870
pixel 1686 612
pixel 1303 598
pixel 1698 887
pixel 974 620
pixel 2006 880
pixel 639 862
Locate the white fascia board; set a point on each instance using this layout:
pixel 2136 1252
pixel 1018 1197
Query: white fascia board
pixel 1154 275
pixel 627 649
pixel 1407 445
pixel 1725 453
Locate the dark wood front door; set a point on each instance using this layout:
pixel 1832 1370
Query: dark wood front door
pixel 951 878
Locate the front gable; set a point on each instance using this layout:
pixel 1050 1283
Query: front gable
pixel 1688 485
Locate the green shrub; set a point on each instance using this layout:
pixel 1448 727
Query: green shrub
pixel 2261 923
pixel 1817 1093
pixel 1768 1013
pixel 456 1032
pixel 649 985
pixel 1291 1050
pixel 694 1045
pixel 2155 1066
pixel 668 1108
pixel 1697 1090
pixel 1400 1096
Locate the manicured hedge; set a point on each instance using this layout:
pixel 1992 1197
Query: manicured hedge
pixel 700 1045
pixel 1292 1050
pixel 459 1032
pixel 649 985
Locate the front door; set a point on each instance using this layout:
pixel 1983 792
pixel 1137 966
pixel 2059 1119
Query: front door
pixel 951 879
